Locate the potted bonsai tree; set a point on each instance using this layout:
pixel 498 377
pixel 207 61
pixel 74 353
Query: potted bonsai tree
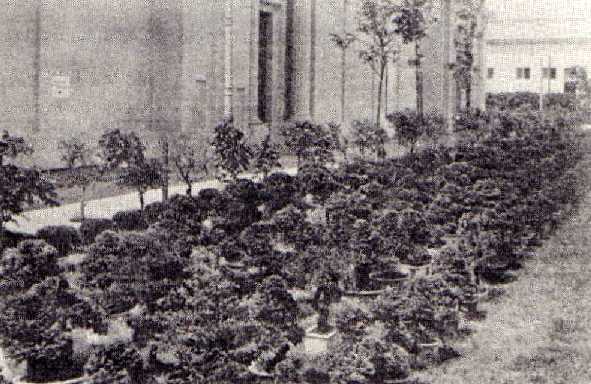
pixel 419 261
pixel 322 335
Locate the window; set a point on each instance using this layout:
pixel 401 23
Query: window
pixel 552 72
pixel 523 73
pixel 490 73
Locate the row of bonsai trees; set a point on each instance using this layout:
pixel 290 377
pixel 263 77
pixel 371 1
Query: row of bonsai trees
pixel 205 283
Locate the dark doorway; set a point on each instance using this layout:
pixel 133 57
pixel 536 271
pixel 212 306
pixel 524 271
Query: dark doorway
pixel 265 79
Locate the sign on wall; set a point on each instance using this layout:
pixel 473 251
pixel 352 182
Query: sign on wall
pixel 60 86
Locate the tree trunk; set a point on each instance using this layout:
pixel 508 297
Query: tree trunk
pixel 419 80
pixel 165 170
pixel 189 190
pixel 83 204
pixel 141 193
pixel 343 85
pixel 469 95
pixel 380 85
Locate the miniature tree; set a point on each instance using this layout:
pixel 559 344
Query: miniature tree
pixel 379 43
pixel 77 154
pixel 233 154
pixel 412 126
pixel 117 149
pixel 311 143
pixel 190 158
pixel 412 22
pixel 369 138
pixel 20 186
pixel 267 156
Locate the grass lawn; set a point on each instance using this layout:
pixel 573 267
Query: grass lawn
pixel 540 331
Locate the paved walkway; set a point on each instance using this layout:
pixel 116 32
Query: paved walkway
pixel 31 221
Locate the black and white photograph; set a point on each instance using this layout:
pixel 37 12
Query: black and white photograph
pixel 295 192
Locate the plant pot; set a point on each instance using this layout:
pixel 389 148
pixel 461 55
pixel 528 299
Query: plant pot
pixel 400 381
pixel 419 270
pixel 407 380
pixel 428 352
pixel 363 294
pixel 394 279
pixel 470 305
pixel 315 343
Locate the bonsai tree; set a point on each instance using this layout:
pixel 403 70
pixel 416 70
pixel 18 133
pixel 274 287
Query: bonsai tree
pixel 125 149
pixel 190 159
pixel 267 156
pixel 311 143
pixel 369 137
pixel 233 154
pixel 379 44
pixel 30 263
pixel 411 127
pixel 143 176
pixel 77 154
pixel 20 186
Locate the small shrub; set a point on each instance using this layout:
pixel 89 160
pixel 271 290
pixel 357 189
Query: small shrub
pixel 233 154
pixel 126 269
pixel 280 189
pixel 91 228
pixel 317 180
pixel 30 263
pixel 309 142
pixel 132 220
pixel 368 137
pixel 153 211
pixel 211 199
pixel 62 237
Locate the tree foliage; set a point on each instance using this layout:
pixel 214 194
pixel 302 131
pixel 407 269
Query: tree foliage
pixel 191 159
pixel 119 148
pixel 20 186
pixel 379 44
pixel 233 154
pixel 267 156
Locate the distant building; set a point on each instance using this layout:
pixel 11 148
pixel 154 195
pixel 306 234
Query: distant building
pixel 77 68
pixel 540 55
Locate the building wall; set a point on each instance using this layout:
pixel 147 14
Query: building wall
pixel 508 55
pixel 78 68
pixel 319 89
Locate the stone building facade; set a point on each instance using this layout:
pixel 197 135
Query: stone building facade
pixel 536 54
pixel 76 68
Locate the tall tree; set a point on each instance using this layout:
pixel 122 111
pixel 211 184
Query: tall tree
pixel 343 42
pixel 464 41
pixel 378 40
pixel 412 21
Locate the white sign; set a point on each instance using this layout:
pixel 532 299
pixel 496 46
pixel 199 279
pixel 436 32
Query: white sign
pixel 60 86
